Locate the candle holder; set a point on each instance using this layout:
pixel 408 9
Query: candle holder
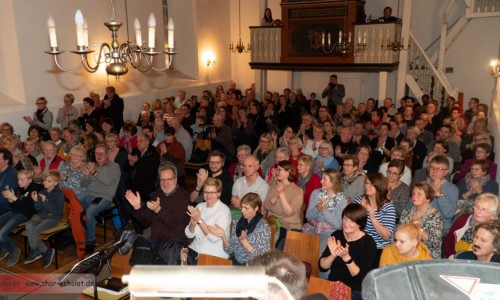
pixel 116 56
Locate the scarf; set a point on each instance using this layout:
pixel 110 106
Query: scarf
pixel 39 114
pixel 333 201
pixel 243 224
pixel 304 180
pixel 347 182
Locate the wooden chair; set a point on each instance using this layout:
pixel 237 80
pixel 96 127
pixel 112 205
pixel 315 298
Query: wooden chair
pixel 210 260
pixel 332 290
pixel 305 247
pixel 274 224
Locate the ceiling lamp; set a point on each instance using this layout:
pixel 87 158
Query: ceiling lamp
pixel 116 57
pixel 240 48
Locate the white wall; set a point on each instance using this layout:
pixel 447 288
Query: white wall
pixel 198 29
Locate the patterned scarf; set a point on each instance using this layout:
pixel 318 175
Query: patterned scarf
pixel 468 177
pixel 331 202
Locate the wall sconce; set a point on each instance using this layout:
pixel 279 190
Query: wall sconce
pixel 495 68
pixel 209 58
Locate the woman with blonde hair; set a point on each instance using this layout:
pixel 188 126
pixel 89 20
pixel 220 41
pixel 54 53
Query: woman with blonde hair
pixel 71 170
pixel 406 247
pixel 265 152
pixel 33 150
pixel 307 125
pixel 324 215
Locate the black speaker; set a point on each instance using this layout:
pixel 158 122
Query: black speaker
pixel 433 279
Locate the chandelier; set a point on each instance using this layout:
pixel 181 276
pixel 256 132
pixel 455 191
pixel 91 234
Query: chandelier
pixel 397 44
pixel 361 45
pixel 240 48
pixel 344 46
pixel 116 56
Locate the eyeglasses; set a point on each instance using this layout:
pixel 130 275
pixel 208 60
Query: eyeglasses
pixel 214 162
pixel 481 209
pixel 210 193
pixel 437 169
pixel 392 173
pixel 167 179
pixel 324 148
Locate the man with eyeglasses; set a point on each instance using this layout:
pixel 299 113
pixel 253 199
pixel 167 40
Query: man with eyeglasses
pixel 216 161
pixel 165 211
pixel 445 192
pixel 101 180
pixel 397 153
pixel 252 182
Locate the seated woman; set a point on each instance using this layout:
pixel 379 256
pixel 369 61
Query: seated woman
pixel 350 253
pixel 265 152
pixel 285 201
pixel 399 192
pixel 365 165
pixel 212 212
pixel 459 239
pixel 326 206
pixel 475 183
pixel 427 217
pixel 250 236
pixel 482 152
pixel 486 244
pixel 325 159
pixel 71 171
pixel 282 153
pixel 33 150
pixel 352 180
pixel 129 138
pixel 311 145
pixel 308 181
pixel 406 247
pixel 71 139
pixel 381 212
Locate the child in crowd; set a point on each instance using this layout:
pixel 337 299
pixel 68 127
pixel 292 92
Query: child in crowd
pixel 199 129
pixel 406 247
pixel 22 209
pixel 49 204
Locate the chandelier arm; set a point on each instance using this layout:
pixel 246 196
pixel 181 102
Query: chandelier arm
pixel 67 70
pixel 85 60
pixel 149 63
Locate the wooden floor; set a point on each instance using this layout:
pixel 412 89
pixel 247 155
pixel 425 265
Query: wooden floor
pixel 66 256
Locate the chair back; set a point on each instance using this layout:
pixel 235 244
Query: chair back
pixel 305 247
pixel 335 290
pixel 210 260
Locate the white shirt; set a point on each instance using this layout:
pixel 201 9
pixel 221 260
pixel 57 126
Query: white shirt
pixel 260 186
pixel 210 244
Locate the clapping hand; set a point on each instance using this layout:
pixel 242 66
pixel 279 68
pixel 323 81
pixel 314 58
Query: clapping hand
pixel 133 199
pixel 201 177
pixel 194 213
pixel 154 205
pixel 332 245
pixel 216 230
pixel 367 206
pixel 236 201
pixel 243 235
pixel 342 251
pixel 9 195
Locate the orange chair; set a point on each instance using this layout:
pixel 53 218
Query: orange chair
pixel 305 247
pixel 335 290
pixel 77 219
pixel 210 260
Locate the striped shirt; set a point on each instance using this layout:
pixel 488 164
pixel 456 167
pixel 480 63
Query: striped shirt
pixel 386 216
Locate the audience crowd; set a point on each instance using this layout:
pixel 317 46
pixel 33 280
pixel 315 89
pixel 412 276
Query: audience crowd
pixel 379 184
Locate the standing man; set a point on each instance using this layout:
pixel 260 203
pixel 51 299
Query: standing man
pixel 334 93
pixel 112 107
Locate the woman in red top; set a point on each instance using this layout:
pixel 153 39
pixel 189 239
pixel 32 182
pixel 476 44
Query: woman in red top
pixel 308 180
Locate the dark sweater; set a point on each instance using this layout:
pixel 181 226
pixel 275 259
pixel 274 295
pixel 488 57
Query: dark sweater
pixel 52 207
pixel 363 253
pixel 24 204
pixel 172 218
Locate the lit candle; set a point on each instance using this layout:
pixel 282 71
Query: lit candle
pixel 340 36
pixel 170 31
pixel 350 37
pixel 322 38
pixel 364 37
pixel 359 37
pixel 151 25
pixel 138 35
pixel 79 28
pixel 329 39
pixel 85 33
pixel 52 32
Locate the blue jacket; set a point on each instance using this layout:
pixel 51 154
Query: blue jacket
pixel 53 206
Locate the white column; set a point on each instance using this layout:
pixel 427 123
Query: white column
pixel 403 54
pixel 382 87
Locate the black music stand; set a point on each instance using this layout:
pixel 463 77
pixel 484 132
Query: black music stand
pixel 93 264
